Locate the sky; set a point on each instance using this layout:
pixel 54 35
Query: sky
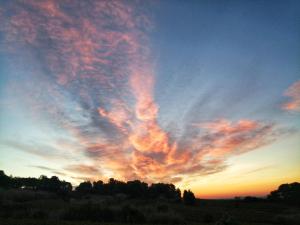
pixel 202 94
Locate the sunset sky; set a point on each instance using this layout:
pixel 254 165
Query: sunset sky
pixel 203 94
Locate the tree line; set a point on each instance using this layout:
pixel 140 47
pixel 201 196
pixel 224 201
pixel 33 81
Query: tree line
pixel 132 189
pixel 289 193
pixel 43 183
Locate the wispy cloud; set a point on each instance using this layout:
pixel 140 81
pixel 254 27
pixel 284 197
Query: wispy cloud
pixel 83 169
pixel 39 149
pixel 52 170
pixel 293 92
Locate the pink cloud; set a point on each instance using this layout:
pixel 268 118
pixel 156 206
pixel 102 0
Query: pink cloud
pixel 294 93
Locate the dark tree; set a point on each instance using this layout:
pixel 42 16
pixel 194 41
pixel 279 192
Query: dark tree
pixel 115 186
pixel 5 181
pixel 133 189
pixel 136 189
pixel 289 193
pixel 98 187
pixel 26 183
pixel 178 195
pixel 65 187
pixel 85 187
pixel 163 190
pixel 189 197
pixel 53 184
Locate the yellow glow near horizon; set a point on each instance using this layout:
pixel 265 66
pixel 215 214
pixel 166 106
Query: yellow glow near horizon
pixel 254 173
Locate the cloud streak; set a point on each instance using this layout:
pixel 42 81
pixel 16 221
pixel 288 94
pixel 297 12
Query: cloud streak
pixel 293 92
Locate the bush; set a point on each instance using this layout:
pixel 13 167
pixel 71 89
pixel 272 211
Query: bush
pixel 288 219
pixel 227 220
pixel 21 196
pixel 94 212
pixel 131 215
pixel 39 214
pixel 208 218
pixel 162 208
pixel 21 214
pixel 89 212
pixel 166 218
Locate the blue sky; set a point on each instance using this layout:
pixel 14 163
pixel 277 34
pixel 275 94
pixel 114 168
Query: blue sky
pixel 232 49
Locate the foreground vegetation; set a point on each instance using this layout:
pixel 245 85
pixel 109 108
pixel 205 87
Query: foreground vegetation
pixel 159 204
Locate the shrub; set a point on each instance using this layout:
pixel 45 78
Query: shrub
pixel 21 196
pixel 131 215
pixel 166 218
pixel 39 214
pixel 208 218
pixel 288 219
pixel 227 220
pixel 21 214
pixel 162 208
pixel 89 212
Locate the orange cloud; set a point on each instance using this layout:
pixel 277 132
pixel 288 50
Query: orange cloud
pixel 228 127
pixel 294 93
pixel 141 83
pixel 227 138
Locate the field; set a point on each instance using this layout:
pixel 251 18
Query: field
pixel 23 207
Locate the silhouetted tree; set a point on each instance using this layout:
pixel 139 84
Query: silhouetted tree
pixel 84 187
pixel 115 186
pixel 136 189
pixel 178 195
pixel 133 189
pixel 26 183
pixel 53 184
pixel 189 197
pixel 5 181
pixel 98 187
pixel 163 190
pixel 289 193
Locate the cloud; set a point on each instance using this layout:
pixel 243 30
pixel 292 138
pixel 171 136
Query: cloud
pixel 259 169
pixel 225 137
pixel 83 169
pixel 54 171
pixel 293 92
pixel 39 149
pixel 93 79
